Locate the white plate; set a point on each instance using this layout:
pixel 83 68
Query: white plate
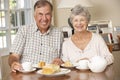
pixel 23 71
pixel 74 65
pixel 82 68
pixel 63 71
pixel 36 66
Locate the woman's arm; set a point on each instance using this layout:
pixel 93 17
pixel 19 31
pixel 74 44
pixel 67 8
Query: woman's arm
pixel 104 51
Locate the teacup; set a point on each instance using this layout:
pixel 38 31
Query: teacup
pixel 83 64
pixel 27 66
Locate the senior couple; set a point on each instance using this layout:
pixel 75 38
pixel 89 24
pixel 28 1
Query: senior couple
pixel 43 42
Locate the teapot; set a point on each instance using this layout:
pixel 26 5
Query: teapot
pixel 97 64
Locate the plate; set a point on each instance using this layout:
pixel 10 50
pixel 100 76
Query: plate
pixel 74 65
pixel 83 69
pixel 23 71
pixel 36 66
pixel 63 71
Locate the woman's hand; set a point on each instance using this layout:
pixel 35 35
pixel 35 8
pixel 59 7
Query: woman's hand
pixel 16 66
pixel 57 61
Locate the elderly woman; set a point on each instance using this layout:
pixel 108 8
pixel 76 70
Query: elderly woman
pixel 84 44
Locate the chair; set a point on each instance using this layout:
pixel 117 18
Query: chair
pixel 110 47
pixel 5 68
pixel 118 39
pixel 109 40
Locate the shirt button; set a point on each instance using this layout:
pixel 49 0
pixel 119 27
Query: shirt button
pixel 40 53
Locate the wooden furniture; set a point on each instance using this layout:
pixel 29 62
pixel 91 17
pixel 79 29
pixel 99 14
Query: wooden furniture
pixel 112 72
pixel 119 39
pixel 108 39
pixel 117 45
pixel 74 75
pixel 110 47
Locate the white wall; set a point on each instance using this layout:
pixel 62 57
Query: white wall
pixel 101 10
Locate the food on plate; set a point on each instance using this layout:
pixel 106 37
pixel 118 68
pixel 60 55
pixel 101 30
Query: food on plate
pixel 41 64
pixel 50 69
pixel 68 64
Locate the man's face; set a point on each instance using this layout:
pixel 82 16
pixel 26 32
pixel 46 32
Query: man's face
pixel 43 16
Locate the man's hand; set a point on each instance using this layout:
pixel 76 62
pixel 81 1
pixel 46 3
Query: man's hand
pixel 13 61
pixel 16 66
pixel 57 61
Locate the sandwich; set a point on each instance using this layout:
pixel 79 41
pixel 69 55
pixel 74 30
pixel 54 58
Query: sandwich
pixel 50 69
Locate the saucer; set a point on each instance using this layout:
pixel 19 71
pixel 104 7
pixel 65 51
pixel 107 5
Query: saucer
pixel 32 70
pixel 82 69
pixel 62 65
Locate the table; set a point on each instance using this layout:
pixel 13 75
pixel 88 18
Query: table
pixel 75 74
pixel 109 74
pixel 112 72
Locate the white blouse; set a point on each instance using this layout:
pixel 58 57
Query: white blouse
pixel 96 46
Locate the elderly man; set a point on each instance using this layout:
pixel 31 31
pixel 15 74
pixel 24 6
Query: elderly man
pixel 37 42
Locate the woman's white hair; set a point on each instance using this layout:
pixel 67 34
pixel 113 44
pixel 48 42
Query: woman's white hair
pixel 79 10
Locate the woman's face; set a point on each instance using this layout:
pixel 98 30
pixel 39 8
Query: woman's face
pixel 79 23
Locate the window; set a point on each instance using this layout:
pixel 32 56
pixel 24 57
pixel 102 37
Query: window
pixel 13 14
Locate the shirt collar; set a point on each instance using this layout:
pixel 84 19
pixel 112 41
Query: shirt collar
pixel 46 33
pixel 36 30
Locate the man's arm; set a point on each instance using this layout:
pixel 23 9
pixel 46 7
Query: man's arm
pixel 13 61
